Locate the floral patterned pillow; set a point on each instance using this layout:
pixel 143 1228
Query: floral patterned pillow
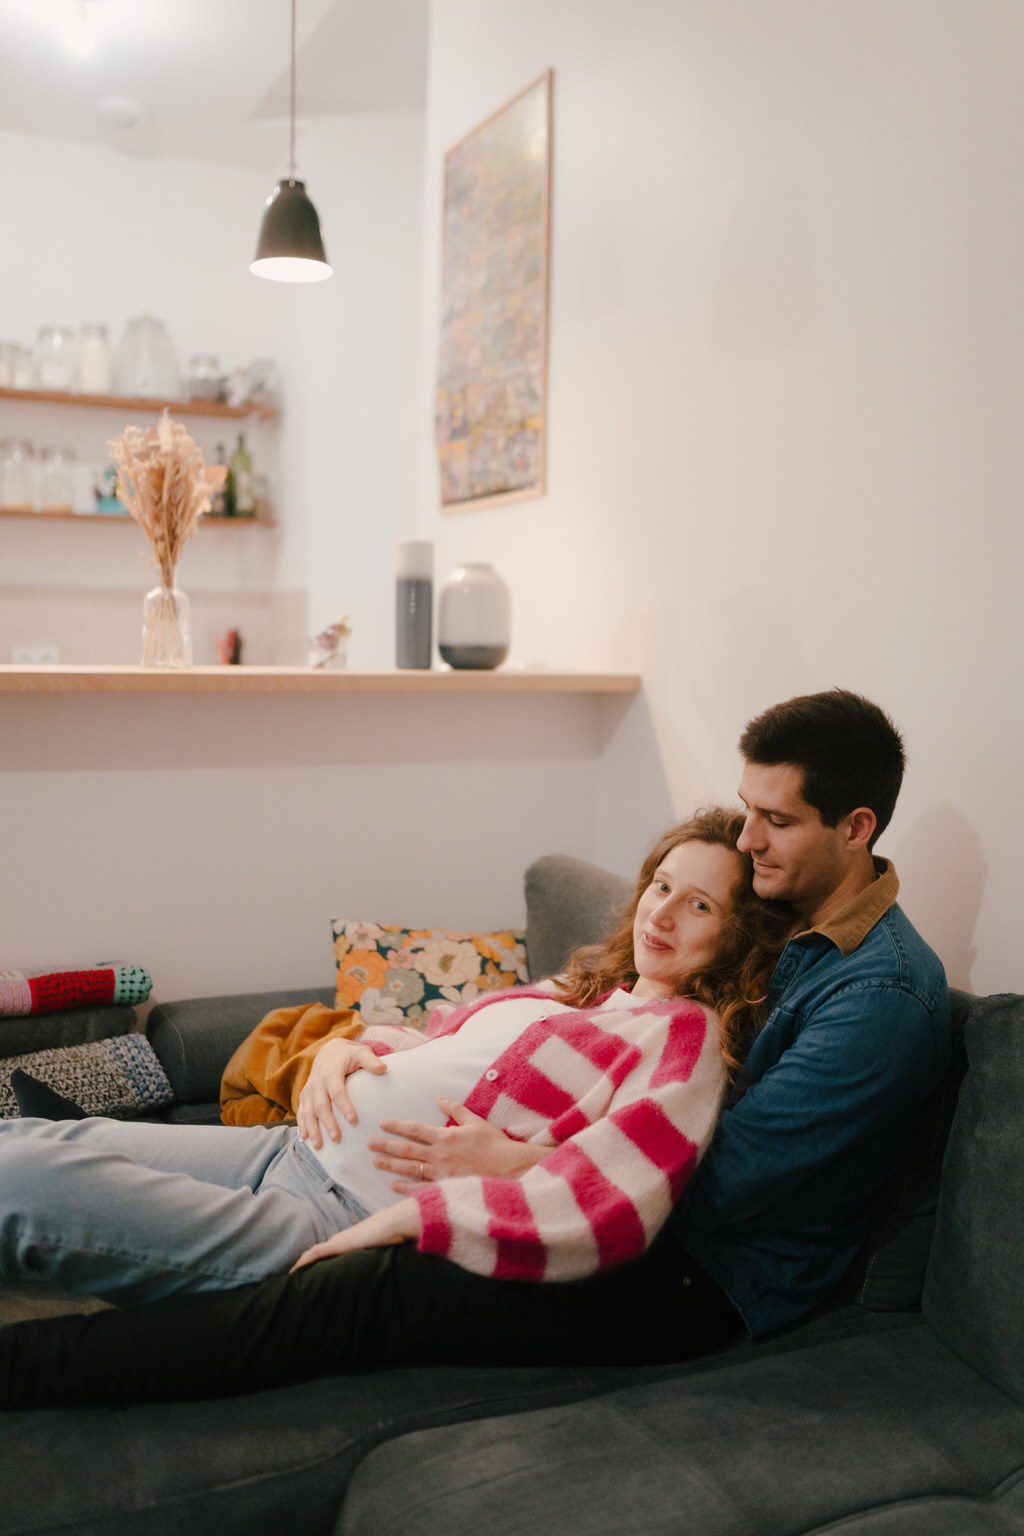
pixel 398 975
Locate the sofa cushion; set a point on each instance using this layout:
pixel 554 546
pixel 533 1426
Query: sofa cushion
pixel 568 903
pixel 195 1038
pixel 265 1464
pixel 45 1031
pixel 972 1295
pixel 253 1460
pixel 883 1435
pixel 121 1077
pixel 395 975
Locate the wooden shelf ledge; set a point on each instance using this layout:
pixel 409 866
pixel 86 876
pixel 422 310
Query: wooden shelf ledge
pixel 93 679
pixel 125 520
pixel 212 408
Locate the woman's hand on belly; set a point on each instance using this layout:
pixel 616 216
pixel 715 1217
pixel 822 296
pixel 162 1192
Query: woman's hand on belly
pixel 325 1086
pixel 395 1224
pixel 421 1154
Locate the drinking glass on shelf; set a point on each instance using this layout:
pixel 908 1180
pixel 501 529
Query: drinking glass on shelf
pixel 16 476
pixel 8 358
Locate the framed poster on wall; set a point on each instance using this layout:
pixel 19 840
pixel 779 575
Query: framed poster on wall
pixel 491 402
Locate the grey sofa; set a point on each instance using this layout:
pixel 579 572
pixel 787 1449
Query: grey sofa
pixel 896 1410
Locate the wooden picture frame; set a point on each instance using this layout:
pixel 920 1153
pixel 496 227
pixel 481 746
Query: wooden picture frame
pixel 491 401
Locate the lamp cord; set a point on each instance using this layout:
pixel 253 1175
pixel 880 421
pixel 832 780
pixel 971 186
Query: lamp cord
pixel 291 160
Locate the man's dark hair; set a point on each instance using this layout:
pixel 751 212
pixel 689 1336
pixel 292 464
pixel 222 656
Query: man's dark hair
pixel 847 749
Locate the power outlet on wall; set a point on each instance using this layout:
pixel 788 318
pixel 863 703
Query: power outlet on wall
pixel 34 655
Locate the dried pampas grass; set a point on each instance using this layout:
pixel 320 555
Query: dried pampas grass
pixel 166 487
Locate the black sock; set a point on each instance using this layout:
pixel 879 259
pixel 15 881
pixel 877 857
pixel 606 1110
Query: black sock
pixel 38 1101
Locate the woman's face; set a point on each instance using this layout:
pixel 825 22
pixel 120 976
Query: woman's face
pixel 682 914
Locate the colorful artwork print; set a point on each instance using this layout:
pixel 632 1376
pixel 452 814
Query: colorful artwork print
pixel 399 975
pixel 492 373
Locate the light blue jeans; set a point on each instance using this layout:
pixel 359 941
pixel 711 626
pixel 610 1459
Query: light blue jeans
pixel 133 1211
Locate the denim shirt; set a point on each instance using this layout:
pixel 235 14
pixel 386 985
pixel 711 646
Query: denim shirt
pixel 857 1036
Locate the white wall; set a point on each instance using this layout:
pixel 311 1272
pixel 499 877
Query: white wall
pixel 787 354
pixel 786 366
pixel 211 838
pixel 354 399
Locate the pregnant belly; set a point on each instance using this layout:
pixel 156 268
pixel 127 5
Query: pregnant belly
pixel 408 1090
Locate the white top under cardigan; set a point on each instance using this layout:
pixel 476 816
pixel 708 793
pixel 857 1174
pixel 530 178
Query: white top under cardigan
pixel 625 1092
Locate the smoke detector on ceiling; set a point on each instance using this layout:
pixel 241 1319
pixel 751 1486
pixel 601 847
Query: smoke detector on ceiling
pixel 119 112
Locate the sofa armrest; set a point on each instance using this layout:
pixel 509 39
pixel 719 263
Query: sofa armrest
pixel 196 1038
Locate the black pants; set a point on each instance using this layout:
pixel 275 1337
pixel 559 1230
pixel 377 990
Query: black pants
pixel 377 1307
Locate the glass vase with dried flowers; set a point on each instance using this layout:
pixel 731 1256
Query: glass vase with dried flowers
pixel 166 487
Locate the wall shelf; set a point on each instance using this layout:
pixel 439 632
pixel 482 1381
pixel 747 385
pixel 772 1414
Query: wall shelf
pixel 208 518
pixel 211 408
pixel 92 679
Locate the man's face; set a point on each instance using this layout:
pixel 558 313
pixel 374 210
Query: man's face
pixel 796 857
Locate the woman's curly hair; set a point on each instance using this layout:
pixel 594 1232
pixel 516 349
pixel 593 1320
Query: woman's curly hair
pixel 735 983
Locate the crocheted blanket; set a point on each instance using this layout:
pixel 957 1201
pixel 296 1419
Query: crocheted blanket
pixel 23 992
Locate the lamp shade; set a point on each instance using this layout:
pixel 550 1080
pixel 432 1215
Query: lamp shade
pixel 291 247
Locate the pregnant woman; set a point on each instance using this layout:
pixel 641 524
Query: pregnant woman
pixel 591 1097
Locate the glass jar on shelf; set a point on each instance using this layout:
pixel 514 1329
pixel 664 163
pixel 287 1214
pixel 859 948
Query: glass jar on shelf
pixel 55 480
pixel 146 364
pixel 263 382
pixel 95 372
pixel 16 476
pixel 204 377
pixel 54 357
pixel 24 369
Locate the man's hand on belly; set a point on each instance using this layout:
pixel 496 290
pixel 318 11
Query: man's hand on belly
pixel 424 1153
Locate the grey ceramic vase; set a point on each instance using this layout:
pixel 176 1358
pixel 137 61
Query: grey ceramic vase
pixel 474 618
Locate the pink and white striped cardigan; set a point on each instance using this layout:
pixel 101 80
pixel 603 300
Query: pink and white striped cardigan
pixel 627 1098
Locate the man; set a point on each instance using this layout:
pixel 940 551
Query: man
pixel 859 1032
pixel 857 1036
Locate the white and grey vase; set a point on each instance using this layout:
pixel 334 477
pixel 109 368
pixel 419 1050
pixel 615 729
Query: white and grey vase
pixel 474 618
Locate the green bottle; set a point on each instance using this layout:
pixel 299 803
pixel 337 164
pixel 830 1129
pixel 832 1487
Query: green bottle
pixel 219 500
pixel 240 473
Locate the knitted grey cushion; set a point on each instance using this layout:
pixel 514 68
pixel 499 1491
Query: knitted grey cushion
pixel 568 903
pixel 972 1293
pixel 120 1077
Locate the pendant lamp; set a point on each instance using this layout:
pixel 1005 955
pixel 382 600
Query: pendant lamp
pixel 291 247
